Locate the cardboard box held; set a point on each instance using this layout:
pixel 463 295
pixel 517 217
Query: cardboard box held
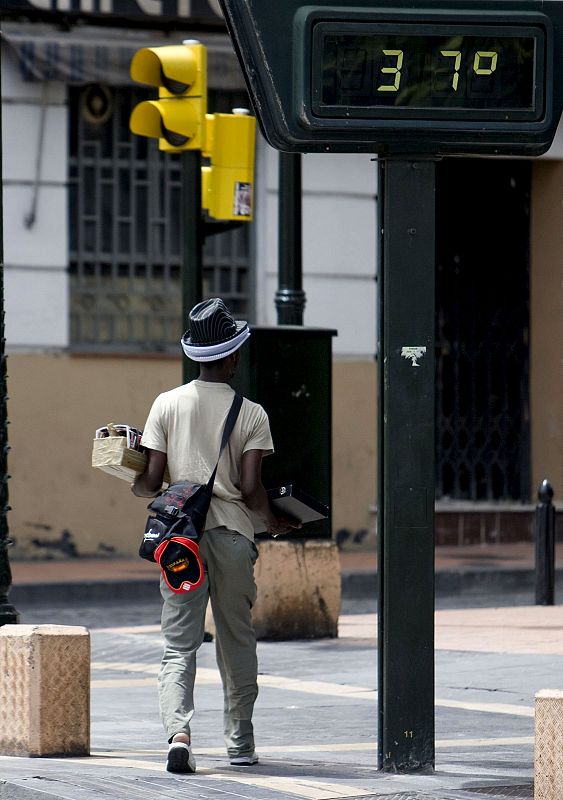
pixel 112 455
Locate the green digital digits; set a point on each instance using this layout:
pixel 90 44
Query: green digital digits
pixel 478 69
pixel 456 54
pixel 484 63
pixel 403 70
pixel 396 71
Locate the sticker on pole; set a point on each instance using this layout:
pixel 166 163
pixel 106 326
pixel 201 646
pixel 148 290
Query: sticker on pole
pixel 242 201
pixel 413 353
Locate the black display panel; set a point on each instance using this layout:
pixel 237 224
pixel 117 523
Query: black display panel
pixel 428 71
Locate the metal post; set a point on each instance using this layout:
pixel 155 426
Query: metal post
pixel 8 613
pixel 290 297
pixel 192 262
pixel 545 546
pixel 406 466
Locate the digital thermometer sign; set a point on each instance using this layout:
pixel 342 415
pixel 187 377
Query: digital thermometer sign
pixel 428 71
pixel 423 77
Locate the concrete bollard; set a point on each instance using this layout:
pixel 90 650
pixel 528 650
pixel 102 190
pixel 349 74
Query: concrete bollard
pixel 548 749
pixel 44 690
pixel 299 591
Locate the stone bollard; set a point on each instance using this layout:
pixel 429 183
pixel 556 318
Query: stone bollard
pixel 298 591
pixel 44 690
pixel 548 750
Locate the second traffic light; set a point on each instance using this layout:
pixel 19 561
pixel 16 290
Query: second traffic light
pixel 177 118
pixel 228 183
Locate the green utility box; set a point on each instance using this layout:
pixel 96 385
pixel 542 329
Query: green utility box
pixel 288 370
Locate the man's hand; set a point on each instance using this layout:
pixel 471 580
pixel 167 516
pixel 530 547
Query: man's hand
pixel 281 524
pixel 256 498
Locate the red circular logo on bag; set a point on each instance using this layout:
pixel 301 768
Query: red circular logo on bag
pixel 180 564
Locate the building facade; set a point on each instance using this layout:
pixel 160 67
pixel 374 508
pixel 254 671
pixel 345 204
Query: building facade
pixel 93 259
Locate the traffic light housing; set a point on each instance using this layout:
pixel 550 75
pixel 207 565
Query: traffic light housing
pixel 177 118
pixel 228 183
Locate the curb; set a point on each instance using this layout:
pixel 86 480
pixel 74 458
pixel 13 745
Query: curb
pixel 358 585
pixel 355 585
pixel 84 592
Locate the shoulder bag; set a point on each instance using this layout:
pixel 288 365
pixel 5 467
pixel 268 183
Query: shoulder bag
pixel 177 523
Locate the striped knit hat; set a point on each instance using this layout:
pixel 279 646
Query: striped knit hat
pixel 213 332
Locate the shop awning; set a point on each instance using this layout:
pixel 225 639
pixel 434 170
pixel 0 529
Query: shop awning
pixel 90 54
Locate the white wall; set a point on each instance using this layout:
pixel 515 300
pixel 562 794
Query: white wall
pixel 556 149
pixel 339 221
pixel 35 255
pixel 339 245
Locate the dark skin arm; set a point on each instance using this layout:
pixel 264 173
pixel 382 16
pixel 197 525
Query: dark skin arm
pixel 255 497
pixel 149 482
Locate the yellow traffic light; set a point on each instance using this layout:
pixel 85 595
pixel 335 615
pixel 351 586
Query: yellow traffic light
pixel 179 69
pixel 228 184
pixel 177 118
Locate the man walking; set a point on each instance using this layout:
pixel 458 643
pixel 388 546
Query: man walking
pixel 184 430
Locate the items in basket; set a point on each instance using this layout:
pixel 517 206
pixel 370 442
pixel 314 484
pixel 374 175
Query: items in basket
pixel 133 435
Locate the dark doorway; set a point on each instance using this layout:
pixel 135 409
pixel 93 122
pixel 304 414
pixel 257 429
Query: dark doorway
pixel 482 312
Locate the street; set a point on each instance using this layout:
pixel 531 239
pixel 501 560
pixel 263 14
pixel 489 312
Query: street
pixel 316 713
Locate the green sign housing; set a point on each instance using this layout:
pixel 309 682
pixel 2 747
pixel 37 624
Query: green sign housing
pixel 476 77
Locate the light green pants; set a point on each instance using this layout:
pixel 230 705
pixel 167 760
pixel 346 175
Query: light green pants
pixel 229 559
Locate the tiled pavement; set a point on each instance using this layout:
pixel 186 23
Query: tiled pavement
pixel 317 709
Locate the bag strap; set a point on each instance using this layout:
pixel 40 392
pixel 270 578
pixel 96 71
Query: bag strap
pixel 230 422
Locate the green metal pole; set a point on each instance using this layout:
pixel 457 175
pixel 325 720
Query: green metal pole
pixel 290 297
pixel 8 614
pixel 406 467
pixel 192 263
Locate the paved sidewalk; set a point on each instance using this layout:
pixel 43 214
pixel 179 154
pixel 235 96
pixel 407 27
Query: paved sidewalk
pixel 316 718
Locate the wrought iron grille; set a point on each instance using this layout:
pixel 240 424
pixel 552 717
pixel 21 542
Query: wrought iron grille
pixel 482 309
pixel 125 232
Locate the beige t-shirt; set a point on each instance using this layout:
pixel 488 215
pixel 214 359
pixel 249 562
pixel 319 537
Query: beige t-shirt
pixel 186 423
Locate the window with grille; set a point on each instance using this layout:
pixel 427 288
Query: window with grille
pixel 125 231
pixel 482 307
